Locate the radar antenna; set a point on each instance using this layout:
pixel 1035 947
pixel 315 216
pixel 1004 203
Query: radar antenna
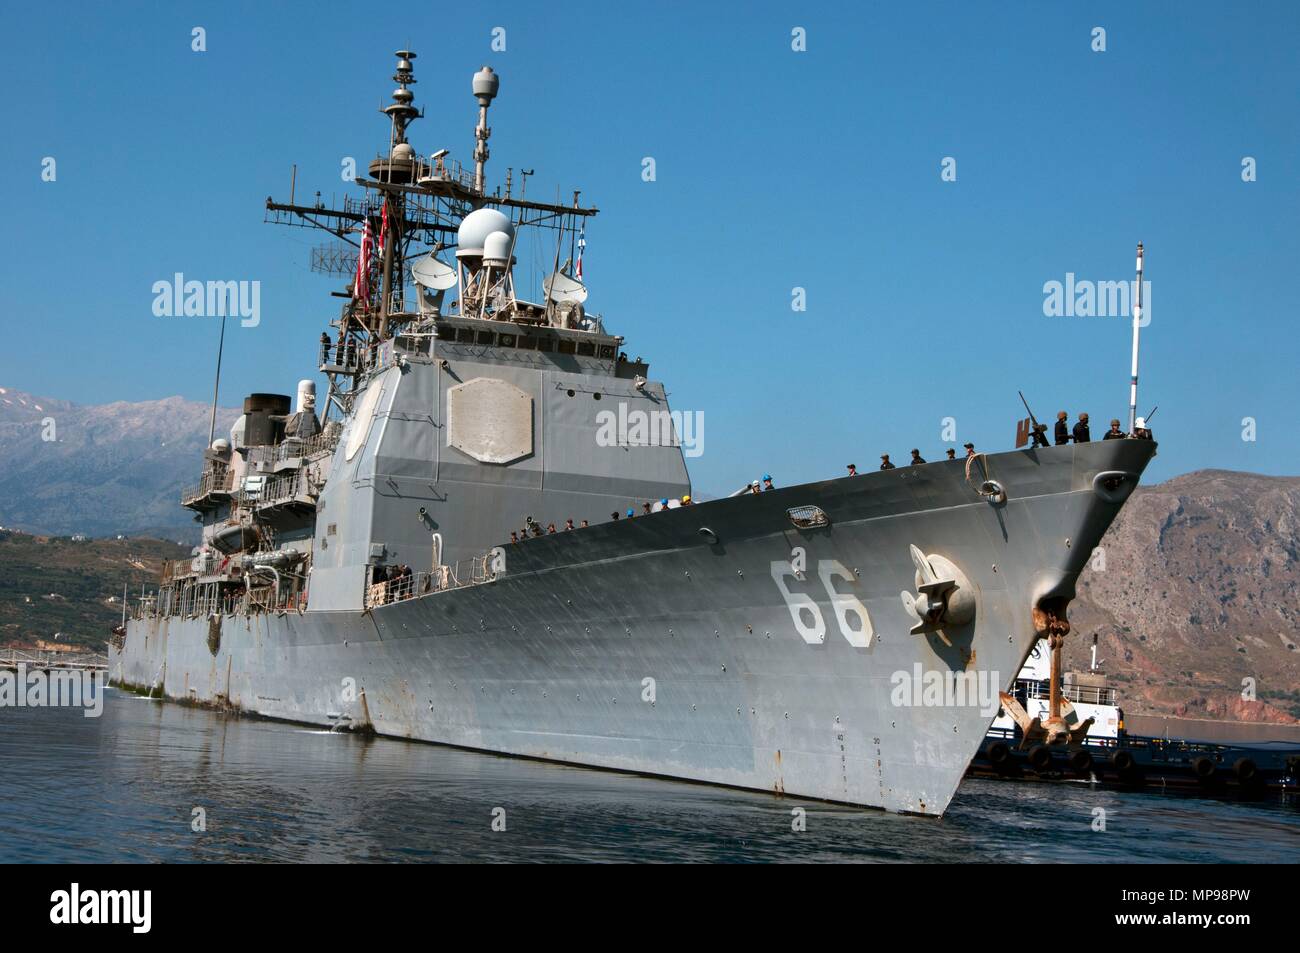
pixel 486 84
pixel 387 242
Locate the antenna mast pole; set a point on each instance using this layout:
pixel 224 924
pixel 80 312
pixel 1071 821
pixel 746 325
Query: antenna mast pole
pixel 1137 328
pixel 221 344
pixel 486 84
pixel 399 168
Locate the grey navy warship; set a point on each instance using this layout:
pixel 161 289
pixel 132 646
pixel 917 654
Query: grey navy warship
pixel 358 570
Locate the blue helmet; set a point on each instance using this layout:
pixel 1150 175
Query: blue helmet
pixel 767 476
pixel 664 501
pixel 631 512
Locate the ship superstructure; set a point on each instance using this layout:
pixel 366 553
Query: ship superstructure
pixel 390 565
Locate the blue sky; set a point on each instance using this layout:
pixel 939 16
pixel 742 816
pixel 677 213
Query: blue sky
pixel 775 169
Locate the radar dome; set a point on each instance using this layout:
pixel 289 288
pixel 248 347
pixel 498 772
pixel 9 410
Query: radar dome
pixel 486 84
pixel 497 247
pixel 476 227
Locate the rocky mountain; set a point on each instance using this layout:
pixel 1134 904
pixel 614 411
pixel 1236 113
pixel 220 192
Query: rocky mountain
pixel 101 470
pixel 1195 598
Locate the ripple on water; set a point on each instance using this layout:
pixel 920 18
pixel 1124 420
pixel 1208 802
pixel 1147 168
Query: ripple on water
pixel 123 788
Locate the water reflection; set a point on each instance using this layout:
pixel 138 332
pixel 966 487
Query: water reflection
pixel 124 788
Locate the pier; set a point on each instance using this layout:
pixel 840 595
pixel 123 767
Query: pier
pixel 10 659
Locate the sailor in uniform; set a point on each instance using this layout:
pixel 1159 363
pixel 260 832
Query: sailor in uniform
pixel 1062 428
pixel 1081 432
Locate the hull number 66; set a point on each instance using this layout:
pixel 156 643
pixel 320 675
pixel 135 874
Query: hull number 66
pixel 850 614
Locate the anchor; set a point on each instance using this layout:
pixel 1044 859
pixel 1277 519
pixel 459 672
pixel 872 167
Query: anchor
pixel 1062 725
pixel 944 596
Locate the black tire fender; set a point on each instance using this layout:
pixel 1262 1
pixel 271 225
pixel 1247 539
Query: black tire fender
pixel 998 754
pixel 1039 757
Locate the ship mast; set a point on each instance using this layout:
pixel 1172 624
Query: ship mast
pixel 399 168
pixel 411 201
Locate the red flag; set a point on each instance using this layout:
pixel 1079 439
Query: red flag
pixel 361 287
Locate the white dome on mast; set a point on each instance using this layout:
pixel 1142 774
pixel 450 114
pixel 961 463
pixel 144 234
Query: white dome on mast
pixel 496 249
pixel 475 228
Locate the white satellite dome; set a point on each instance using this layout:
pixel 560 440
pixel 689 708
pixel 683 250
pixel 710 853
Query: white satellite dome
pixel 496 248
pixel 306 395
pixel 475 229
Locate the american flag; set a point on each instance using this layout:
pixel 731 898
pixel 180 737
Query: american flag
pixel 582 244
pixel 361 287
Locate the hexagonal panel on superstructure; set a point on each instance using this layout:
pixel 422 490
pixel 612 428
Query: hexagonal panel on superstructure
pixel 490 420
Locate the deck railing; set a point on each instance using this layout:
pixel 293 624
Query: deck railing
pixel 12 658
pixel 465 572
pixel 345 358
pixel 215 480
pixel 294 448
pixel 1081 694
pixel 269 491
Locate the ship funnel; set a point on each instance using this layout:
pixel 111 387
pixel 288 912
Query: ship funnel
pixel 263 419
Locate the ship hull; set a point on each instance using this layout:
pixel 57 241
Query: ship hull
pixel 651 646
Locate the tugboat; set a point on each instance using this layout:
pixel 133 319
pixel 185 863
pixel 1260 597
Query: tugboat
pixel 1091 743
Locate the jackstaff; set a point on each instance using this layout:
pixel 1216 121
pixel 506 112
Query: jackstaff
pixel 1137 327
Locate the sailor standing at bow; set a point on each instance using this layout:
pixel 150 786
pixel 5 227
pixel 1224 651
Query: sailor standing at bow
pixel 1062 428
pixel 1081 432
